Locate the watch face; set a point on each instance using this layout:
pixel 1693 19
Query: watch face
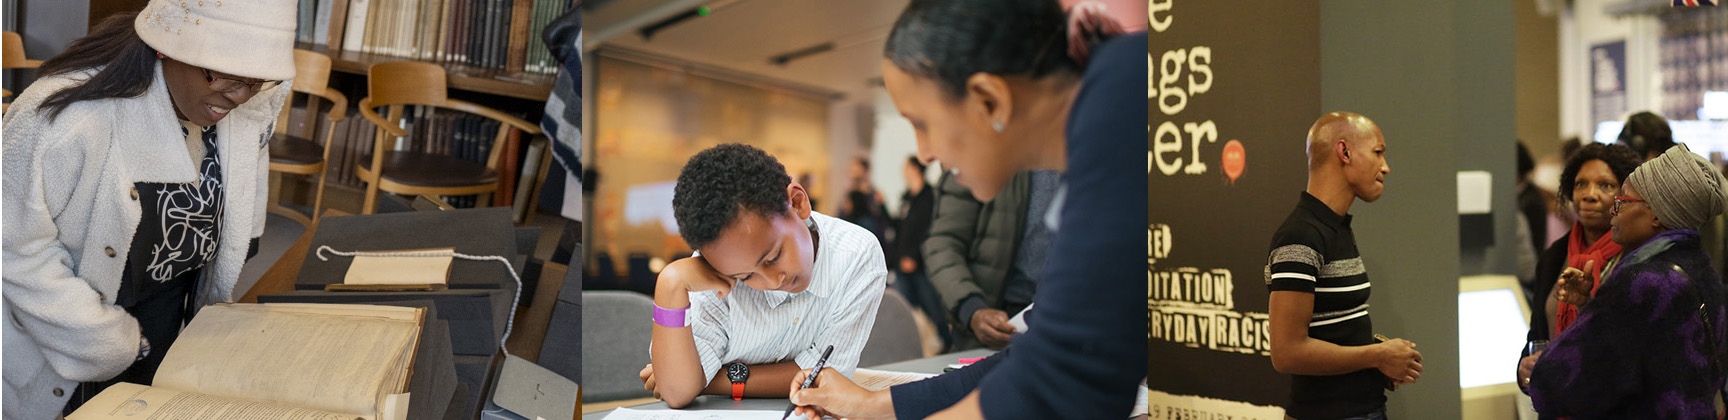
pixel 737 372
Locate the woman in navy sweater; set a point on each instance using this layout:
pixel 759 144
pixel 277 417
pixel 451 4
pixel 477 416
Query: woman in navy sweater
pixel 994 87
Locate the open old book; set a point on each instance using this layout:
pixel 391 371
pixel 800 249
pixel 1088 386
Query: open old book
pixel 291 361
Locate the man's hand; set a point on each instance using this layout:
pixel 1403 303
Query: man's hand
pixel 647 375
pixel 1525 366
pixel 836 396
pixel 695 275
pixel 992 327
pixel 1574 286
pixel 1399 360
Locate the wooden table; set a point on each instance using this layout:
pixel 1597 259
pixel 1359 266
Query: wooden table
pixel 932 364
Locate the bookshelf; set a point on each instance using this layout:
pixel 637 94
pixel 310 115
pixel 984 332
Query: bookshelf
pixel 516 92
pixel 521 85
pixel 1693 59
pixel 491 54
pixel 534 87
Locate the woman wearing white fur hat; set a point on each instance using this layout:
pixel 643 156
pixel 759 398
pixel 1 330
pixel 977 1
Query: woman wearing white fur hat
pixel 135 185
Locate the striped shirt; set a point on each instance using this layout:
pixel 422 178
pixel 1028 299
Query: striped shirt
pixel 1315 252
pixel 762 327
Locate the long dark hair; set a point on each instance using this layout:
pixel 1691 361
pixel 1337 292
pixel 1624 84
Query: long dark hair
pixel 950 40
pixel 128 64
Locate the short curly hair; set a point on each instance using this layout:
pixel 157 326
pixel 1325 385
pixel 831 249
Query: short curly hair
pixel 719 182
pixel 1620 159
pixel 1646 133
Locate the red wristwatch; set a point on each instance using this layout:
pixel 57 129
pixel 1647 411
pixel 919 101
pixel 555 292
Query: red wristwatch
pixel 738 373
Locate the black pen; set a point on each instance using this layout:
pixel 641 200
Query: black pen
pixel 809 381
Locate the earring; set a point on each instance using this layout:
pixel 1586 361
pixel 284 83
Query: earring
pixel 996 125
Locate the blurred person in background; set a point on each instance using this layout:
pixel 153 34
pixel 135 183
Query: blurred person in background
pixel 917 208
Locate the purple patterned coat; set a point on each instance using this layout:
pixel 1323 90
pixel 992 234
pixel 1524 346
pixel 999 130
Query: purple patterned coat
pixel 1642 348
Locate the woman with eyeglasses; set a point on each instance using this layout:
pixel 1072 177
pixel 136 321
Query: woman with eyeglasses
pixel 1649 343
pixel 1588 183
pixel 135 185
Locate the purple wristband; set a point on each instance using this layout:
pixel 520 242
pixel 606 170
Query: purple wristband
pixel 669 318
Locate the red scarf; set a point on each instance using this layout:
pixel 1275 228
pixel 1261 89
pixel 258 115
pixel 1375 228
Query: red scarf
pixel 1577 254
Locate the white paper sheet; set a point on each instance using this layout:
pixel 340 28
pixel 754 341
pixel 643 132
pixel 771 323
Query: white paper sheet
pixel 877 380
pixel 628 414
pixel 1142 403
pixel 1019 320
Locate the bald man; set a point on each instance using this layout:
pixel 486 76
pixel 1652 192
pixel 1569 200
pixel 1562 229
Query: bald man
pixel 1321 333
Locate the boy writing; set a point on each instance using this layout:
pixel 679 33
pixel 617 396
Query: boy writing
pixel 773 283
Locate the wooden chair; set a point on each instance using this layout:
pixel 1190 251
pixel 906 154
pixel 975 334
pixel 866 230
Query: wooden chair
pixel 299 155
pixel 13 55
pixel 539 180
pixel 396 85
pixel 431 203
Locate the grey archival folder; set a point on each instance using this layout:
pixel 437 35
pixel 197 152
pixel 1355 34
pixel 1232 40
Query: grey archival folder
pixel 526 391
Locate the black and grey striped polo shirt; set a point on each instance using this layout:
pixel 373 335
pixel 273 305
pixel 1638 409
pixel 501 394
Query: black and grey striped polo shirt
pixel 1314 252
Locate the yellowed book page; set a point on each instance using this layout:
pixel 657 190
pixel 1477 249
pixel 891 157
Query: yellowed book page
pixel 877 380
pixel 396 313
pixel 396 379
pixel 394 388
pixel 395 407
pixel 132 401
pixel 400 270
pixel 327 362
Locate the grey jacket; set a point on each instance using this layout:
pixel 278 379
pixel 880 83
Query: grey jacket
pixel 971 245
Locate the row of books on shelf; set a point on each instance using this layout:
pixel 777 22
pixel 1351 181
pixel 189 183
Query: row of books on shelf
pixel 441 132
pixel 1692 59
pixel 494 34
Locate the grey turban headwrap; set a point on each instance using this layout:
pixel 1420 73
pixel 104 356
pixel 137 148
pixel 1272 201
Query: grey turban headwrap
pixel 1685 190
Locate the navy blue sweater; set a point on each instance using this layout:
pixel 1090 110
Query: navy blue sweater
pixel 1086 351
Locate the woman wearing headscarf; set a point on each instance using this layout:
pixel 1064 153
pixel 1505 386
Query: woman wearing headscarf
pixel 1649 343
pixel 135 186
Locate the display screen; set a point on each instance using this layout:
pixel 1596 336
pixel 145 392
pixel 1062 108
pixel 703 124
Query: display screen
pixel 1491 331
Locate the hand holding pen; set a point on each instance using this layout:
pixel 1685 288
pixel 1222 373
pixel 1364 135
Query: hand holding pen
pixel 834 395
pixel 809 380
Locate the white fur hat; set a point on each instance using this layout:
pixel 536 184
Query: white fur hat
pixel 246 38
